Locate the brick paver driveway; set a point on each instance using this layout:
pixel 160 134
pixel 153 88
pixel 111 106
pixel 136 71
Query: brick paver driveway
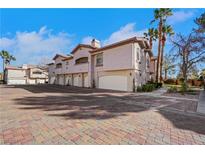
pixel 46 114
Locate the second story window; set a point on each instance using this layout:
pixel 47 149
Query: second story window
pixel 67 63
pixel 59 65
pixel 81 60
pixel 37 72
pixel 99 59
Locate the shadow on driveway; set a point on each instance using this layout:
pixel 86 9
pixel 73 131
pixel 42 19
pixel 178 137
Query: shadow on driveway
pixel 80 107
pixel 102 105
pixel 185 122
pixel 47 88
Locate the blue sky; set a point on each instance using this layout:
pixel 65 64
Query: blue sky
pixel 36 35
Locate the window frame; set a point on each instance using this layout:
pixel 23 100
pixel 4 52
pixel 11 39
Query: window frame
pixel 80 60
pixel 99 57
pixel 59 65
pixel 37 72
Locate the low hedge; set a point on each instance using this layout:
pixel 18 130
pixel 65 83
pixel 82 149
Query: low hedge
pixel 148 87
pixel 172 89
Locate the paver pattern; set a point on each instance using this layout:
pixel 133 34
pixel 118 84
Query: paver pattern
pixel 48 114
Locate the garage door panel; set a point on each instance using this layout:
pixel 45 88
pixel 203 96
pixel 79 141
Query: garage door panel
pixel 32 81
pixel 61 80
pixel 77 81
pixel 113 82
pixel 52 80
pixel 85 81
pixel 10 82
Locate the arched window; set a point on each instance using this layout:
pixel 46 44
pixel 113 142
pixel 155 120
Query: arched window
pixel 59 65
pixel 81 60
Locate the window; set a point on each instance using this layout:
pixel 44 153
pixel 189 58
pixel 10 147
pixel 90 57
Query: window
pixel 37 72
pixel 59 65
pixel 67 63
pixel 99 59
pixel 81 60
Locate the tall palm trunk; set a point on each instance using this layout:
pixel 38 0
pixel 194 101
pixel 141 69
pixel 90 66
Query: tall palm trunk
pixel 3 72
pixel 150 42
pixel 162 55
pixel 159 50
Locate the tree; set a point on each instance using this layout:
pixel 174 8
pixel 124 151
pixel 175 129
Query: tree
pixel 194 73
pixel 160 15
pixel 190 50
pixel 7 58
pixel 200 22
pixel 166 30
pixel 202 72
pixel 168 65
pixel 151 35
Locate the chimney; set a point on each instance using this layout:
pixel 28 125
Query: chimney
pixel 95 43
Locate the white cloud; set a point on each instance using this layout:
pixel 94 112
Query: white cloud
pixel 5 42
pixel 124 32
pixel 30 47
pixel 180 16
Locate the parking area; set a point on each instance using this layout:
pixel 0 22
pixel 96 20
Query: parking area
pixel 51 114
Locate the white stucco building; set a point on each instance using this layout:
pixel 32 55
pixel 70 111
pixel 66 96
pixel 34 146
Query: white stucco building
pixel 120 66
pixel 27 74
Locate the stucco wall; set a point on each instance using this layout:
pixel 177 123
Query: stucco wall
pixel 58 70
pixel 43 75
pixel 118 58
pixel 77 68
pixel 16 74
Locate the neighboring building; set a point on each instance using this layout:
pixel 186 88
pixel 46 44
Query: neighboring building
pixel 1 76
pixel 27 74
pixel 120 66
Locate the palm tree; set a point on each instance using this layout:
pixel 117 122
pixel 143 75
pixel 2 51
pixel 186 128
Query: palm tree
pixel 7 58
pixel 166 30
pixel 160 15
pixel 151 35
pixel 8 61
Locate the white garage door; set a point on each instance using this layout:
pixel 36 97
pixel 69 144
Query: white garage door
pixel 52 80
pixel 113 82
pixel 77 81
pixel 61 80
pixel 68 80
pixel 86 80
pixel 32 81
pixel 20 81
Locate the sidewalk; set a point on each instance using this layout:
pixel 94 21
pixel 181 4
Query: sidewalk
pixel 201 103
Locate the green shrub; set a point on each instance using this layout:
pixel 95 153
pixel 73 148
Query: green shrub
pixel 139 89
pixel 183 88
pixel 158 85
pixel 148 87
pixel 172 89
